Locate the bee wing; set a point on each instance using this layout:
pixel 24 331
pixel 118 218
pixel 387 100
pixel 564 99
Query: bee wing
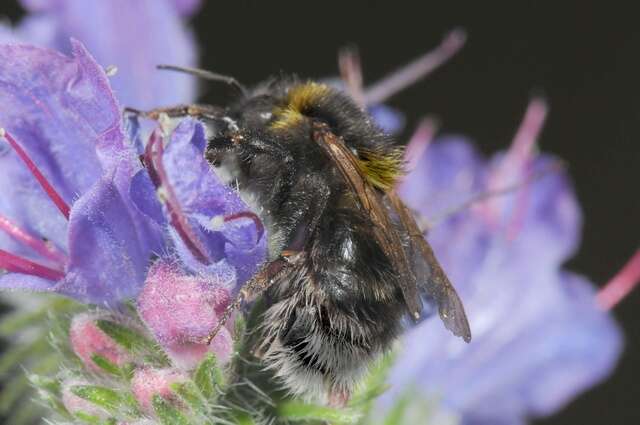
pixel 371 200
pixel 437 284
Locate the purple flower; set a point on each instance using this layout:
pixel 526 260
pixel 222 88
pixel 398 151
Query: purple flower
pixel 65 208
pixel 79 214
pixel 539 337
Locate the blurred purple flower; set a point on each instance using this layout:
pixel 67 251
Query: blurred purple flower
pixel 134 37
pixel 539 337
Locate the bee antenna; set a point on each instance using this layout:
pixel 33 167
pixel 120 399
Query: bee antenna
pixel 207 75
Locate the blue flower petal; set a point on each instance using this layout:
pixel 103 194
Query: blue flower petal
pixel 68 123
pixel 242 249
pixel 186 7
pixel 552 218
pixel 197 187
pixel 39 5
pixel 143 195
pixel 448 173
pixel 110 244
pixel 63 119
pixel 205 200
pixel 25 203
pixel 390 120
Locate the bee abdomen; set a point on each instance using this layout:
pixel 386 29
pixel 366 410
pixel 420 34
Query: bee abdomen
pixel 316 349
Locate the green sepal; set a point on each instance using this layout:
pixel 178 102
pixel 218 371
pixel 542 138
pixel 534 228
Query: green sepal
pixel 242 418
pixel 208 377
pixel 239 327
pixel 87 418
pixel 45 383
pixel 189 394
pixel 49 391
pixel 296 411
pixel 168 414
pixel 123 336
pixel 110 400
pixel 107 365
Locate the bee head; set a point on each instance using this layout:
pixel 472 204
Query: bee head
pixel 379 159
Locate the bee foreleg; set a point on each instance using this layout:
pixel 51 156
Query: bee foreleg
pixel 177 111
pixel 268 274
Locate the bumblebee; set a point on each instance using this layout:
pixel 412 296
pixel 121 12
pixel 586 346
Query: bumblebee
pixel 347 262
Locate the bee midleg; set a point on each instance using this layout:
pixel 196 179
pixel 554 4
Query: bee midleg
pixel 261 281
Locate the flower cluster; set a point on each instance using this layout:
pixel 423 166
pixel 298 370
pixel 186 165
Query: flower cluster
pixel 136 227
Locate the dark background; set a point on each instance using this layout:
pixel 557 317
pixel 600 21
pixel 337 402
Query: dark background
pixel 583 55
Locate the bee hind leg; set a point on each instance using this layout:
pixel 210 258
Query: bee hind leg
pixel 268 274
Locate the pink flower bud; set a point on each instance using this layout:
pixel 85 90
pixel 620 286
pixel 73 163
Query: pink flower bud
pixel 88 340
pixel 75 404
pixel 181 310
pixel 148 382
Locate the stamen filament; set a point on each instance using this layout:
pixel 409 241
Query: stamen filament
pixel 177 217
pixel 519 157
pixel 416 70
pixel 516 163
pixel 621 285
pixel 419 142
pixel 351 74
pixel 247 214
pixel 33 168
pixel 17 264
pixel 33 242
pixel 524 141
pixel 147 159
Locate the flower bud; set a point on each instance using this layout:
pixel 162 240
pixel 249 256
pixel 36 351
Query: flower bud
pixel 76 404
pixel 181 310
pixel 148 382
pixel 88 340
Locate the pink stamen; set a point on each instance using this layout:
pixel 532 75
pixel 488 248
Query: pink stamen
pixel 419 142
pixel 16 264
pixel 524 141
pixel 147 159
pixel 621 285
pixel 250 215
pixel 351 73
pixel 515 163
pixel 38 245
pixel 177 217
pixel 416 70
pixel 33 168
pixel 519 156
